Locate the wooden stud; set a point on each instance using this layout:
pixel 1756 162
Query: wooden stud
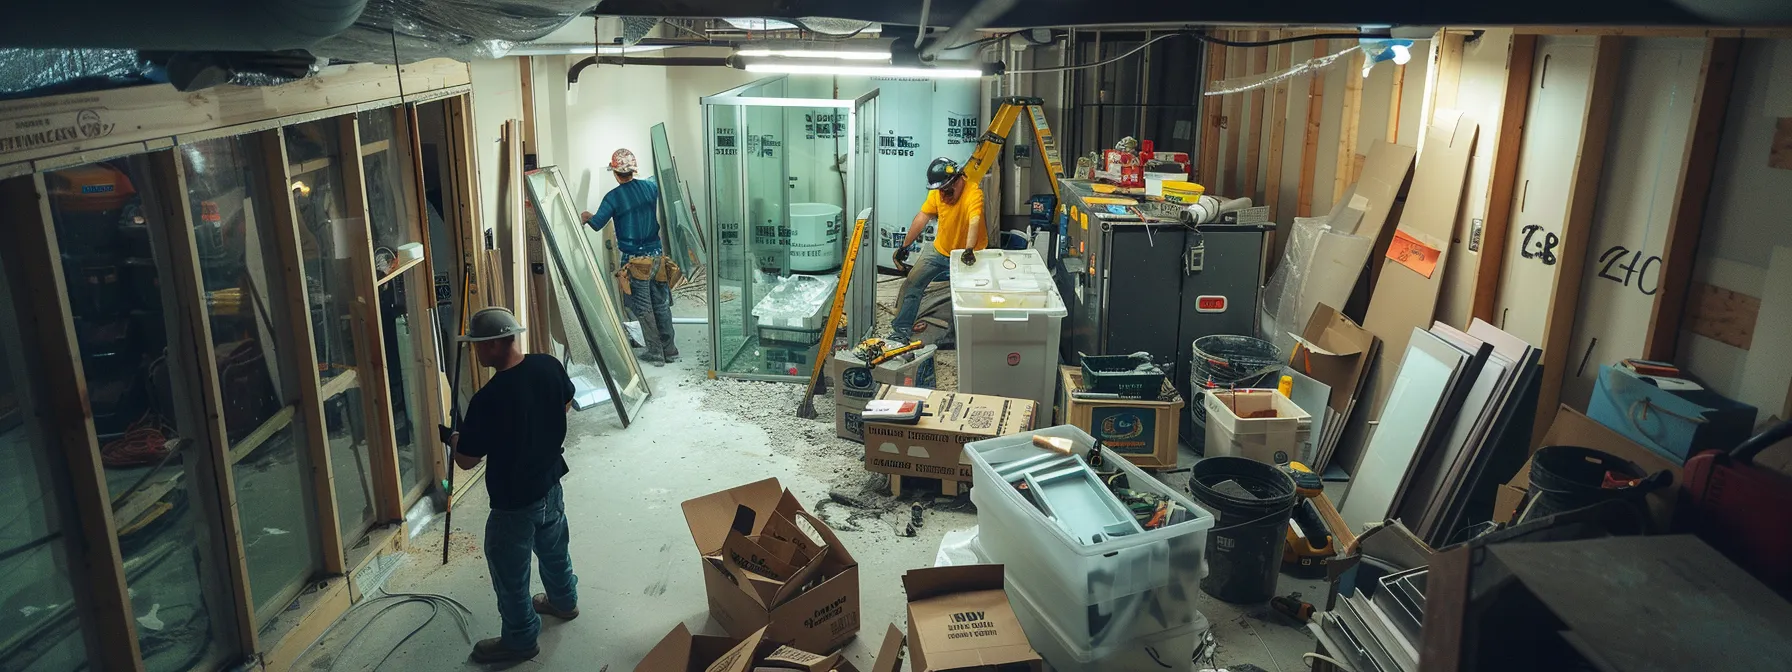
pixel 370 344
pixel 464 220
pixel 1722 315
pixel 1254 141
pixel 296 347
pixel 1309 153
pixel 1449 73
pixel 1350 118
pixel 1395 93
pixel 1278 134
pixel 1710 104
pixel 1234 123
pixel 193 373
pixel 1208 171
pixel 321 609
pixel 423 336
pixel 526 68
pixel 516 254
pixel 53 360
pixel 1589 162
pixel 1501 187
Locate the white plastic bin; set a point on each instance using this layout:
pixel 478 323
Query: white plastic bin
pixel 1007 314
pixel 1171 649
pixel 1105 593
pixel 1274 440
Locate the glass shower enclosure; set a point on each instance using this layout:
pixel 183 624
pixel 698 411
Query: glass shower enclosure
pixel 790 168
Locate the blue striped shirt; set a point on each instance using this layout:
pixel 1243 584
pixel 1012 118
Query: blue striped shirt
pixel 634 206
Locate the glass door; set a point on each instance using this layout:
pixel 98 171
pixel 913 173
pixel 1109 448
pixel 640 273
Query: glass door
pixel 684 239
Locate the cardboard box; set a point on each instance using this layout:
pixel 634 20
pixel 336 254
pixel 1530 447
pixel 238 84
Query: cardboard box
pixel 848 424
pixel 855 383
pixel 959 619
pixel 1145 432
pixel 1573 428
pixel 1676 424
pixel 934 446
pixel 1336 351
pixel 819 618
pixel 681 651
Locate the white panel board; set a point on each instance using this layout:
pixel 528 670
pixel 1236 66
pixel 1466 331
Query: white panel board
pixel 1425 374
pixel 1650 121
pixel 1480 96
pixel 1564 67
pixel 1769 368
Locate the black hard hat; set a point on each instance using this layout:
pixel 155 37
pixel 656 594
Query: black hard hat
pixel 942 171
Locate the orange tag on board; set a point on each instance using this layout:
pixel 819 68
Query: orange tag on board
pixel 1409 252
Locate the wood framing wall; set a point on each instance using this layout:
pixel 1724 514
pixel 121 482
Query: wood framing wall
pixel 149 124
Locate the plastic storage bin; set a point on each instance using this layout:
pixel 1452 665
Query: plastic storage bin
pixel 1104 593
pixel 795 310
pixel 1173 648
pixel 1007 315
pixel 1269 440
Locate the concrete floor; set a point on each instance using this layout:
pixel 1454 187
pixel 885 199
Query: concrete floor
pixel 638 568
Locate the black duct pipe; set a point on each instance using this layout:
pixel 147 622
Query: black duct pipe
pixel 572 73
pixel 177 25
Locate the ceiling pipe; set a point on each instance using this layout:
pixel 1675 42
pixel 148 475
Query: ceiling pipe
pixel 983 14
pixel 572 73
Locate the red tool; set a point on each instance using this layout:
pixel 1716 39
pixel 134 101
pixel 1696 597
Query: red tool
pixel 1743 510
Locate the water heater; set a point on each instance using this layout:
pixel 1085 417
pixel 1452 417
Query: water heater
pixel 917 120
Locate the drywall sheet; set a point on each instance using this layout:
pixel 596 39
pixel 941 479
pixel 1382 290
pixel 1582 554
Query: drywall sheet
pixel 1769 370
pixel 1405 299
pixel 1313 397
pixel 1779 81
pixel 1564 69
pixel 1481 96
pixel 1650 121
pixel 1418 389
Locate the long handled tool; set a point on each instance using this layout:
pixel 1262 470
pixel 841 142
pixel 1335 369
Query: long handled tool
pixel 453 423
pixel 806 410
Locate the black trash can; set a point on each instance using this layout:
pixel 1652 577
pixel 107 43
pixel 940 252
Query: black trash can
pixel 1244 548
pixel 1565 478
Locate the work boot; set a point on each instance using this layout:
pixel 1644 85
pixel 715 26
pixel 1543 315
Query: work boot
pixel 494 651
pixel 671 353
pixel 547 608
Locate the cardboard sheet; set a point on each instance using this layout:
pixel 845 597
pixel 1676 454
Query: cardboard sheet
pixel 1405 299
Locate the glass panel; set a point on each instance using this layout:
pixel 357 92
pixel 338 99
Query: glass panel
pixel 686 242
pixel 562 231
pixel 862 315
pixel 40 629
pixel 401 310
pixel 245 301
pixel 386 158
pixel 115 284
pixel 730 298
pixel 327 236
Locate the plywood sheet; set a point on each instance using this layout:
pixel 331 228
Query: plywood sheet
pixel 1722 315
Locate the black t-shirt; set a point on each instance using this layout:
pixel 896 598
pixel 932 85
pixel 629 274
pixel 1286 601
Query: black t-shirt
pixel 518 423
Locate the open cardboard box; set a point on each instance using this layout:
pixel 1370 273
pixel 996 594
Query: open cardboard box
pixel 681 651
pixel 959 619
pixel 813 605
pixel 934 446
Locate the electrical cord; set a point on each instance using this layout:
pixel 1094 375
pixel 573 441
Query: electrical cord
pixel 1199 36
pixel 462 618
pixel 1326 658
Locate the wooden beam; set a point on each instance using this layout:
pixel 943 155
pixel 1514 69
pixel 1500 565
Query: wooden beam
pixel 296 347
pixel 370 343
pixel 526 67
pixel 1309 153
pixel 1710 105
pixel 1234 123
pixel 320 609
pixel 1501 187
pixel 1278 134
pixel 1583 193
pixel 1350 118
pixel 193 372
pixel 1395 93
pixel 516 253
pixel 1208 170
pixel 1253 152
pixel 39 298
pixel 423 336
pixel 465 221
pixel 1722 315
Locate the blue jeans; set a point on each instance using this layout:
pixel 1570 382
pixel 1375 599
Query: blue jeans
pixel 510 537
pixel 929 267
pixel 650 301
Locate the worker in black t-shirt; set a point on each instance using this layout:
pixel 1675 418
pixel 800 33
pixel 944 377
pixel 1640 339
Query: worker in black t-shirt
pixel 518 421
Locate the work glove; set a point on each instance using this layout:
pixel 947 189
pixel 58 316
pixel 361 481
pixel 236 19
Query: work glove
pixel 901 256
pixel 446 433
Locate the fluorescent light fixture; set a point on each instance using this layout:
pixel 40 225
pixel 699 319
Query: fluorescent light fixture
pixel 862 69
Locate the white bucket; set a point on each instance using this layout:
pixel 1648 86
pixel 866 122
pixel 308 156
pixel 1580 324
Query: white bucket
pixel 815 237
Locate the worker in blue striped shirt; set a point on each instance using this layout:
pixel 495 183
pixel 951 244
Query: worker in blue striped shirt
pixel 647 287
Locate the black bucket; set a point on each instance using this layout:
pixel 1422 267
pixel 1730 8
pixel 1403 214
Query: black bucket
pixel 1565 478
pixel 1244 548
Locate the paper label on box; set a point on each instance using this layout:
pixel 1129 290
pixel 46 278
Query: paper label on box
pixel 1409 252
pixel 1128 431
pixel 856 382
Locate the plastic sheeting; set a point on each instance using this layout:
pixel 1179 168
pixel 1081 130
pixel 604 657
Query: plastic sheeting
pixel 1320 265
pixel 48 71
pixel 1250 82
pixel 407 31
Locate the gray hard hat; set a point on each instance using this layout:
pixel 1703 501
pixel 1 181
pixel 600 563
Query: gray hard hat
pixel 491 324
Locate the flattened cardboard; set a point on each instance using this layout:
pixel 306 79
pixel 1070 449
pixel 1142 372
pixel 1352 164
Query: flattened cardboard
pixel 959 619
pixel 817 610
pixel 934 446
pixel 1573 428
pixel 1385 170
pixel 1405 299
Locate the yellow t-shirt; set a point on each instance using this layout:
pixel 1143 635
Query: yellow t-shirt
pixel 955 220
